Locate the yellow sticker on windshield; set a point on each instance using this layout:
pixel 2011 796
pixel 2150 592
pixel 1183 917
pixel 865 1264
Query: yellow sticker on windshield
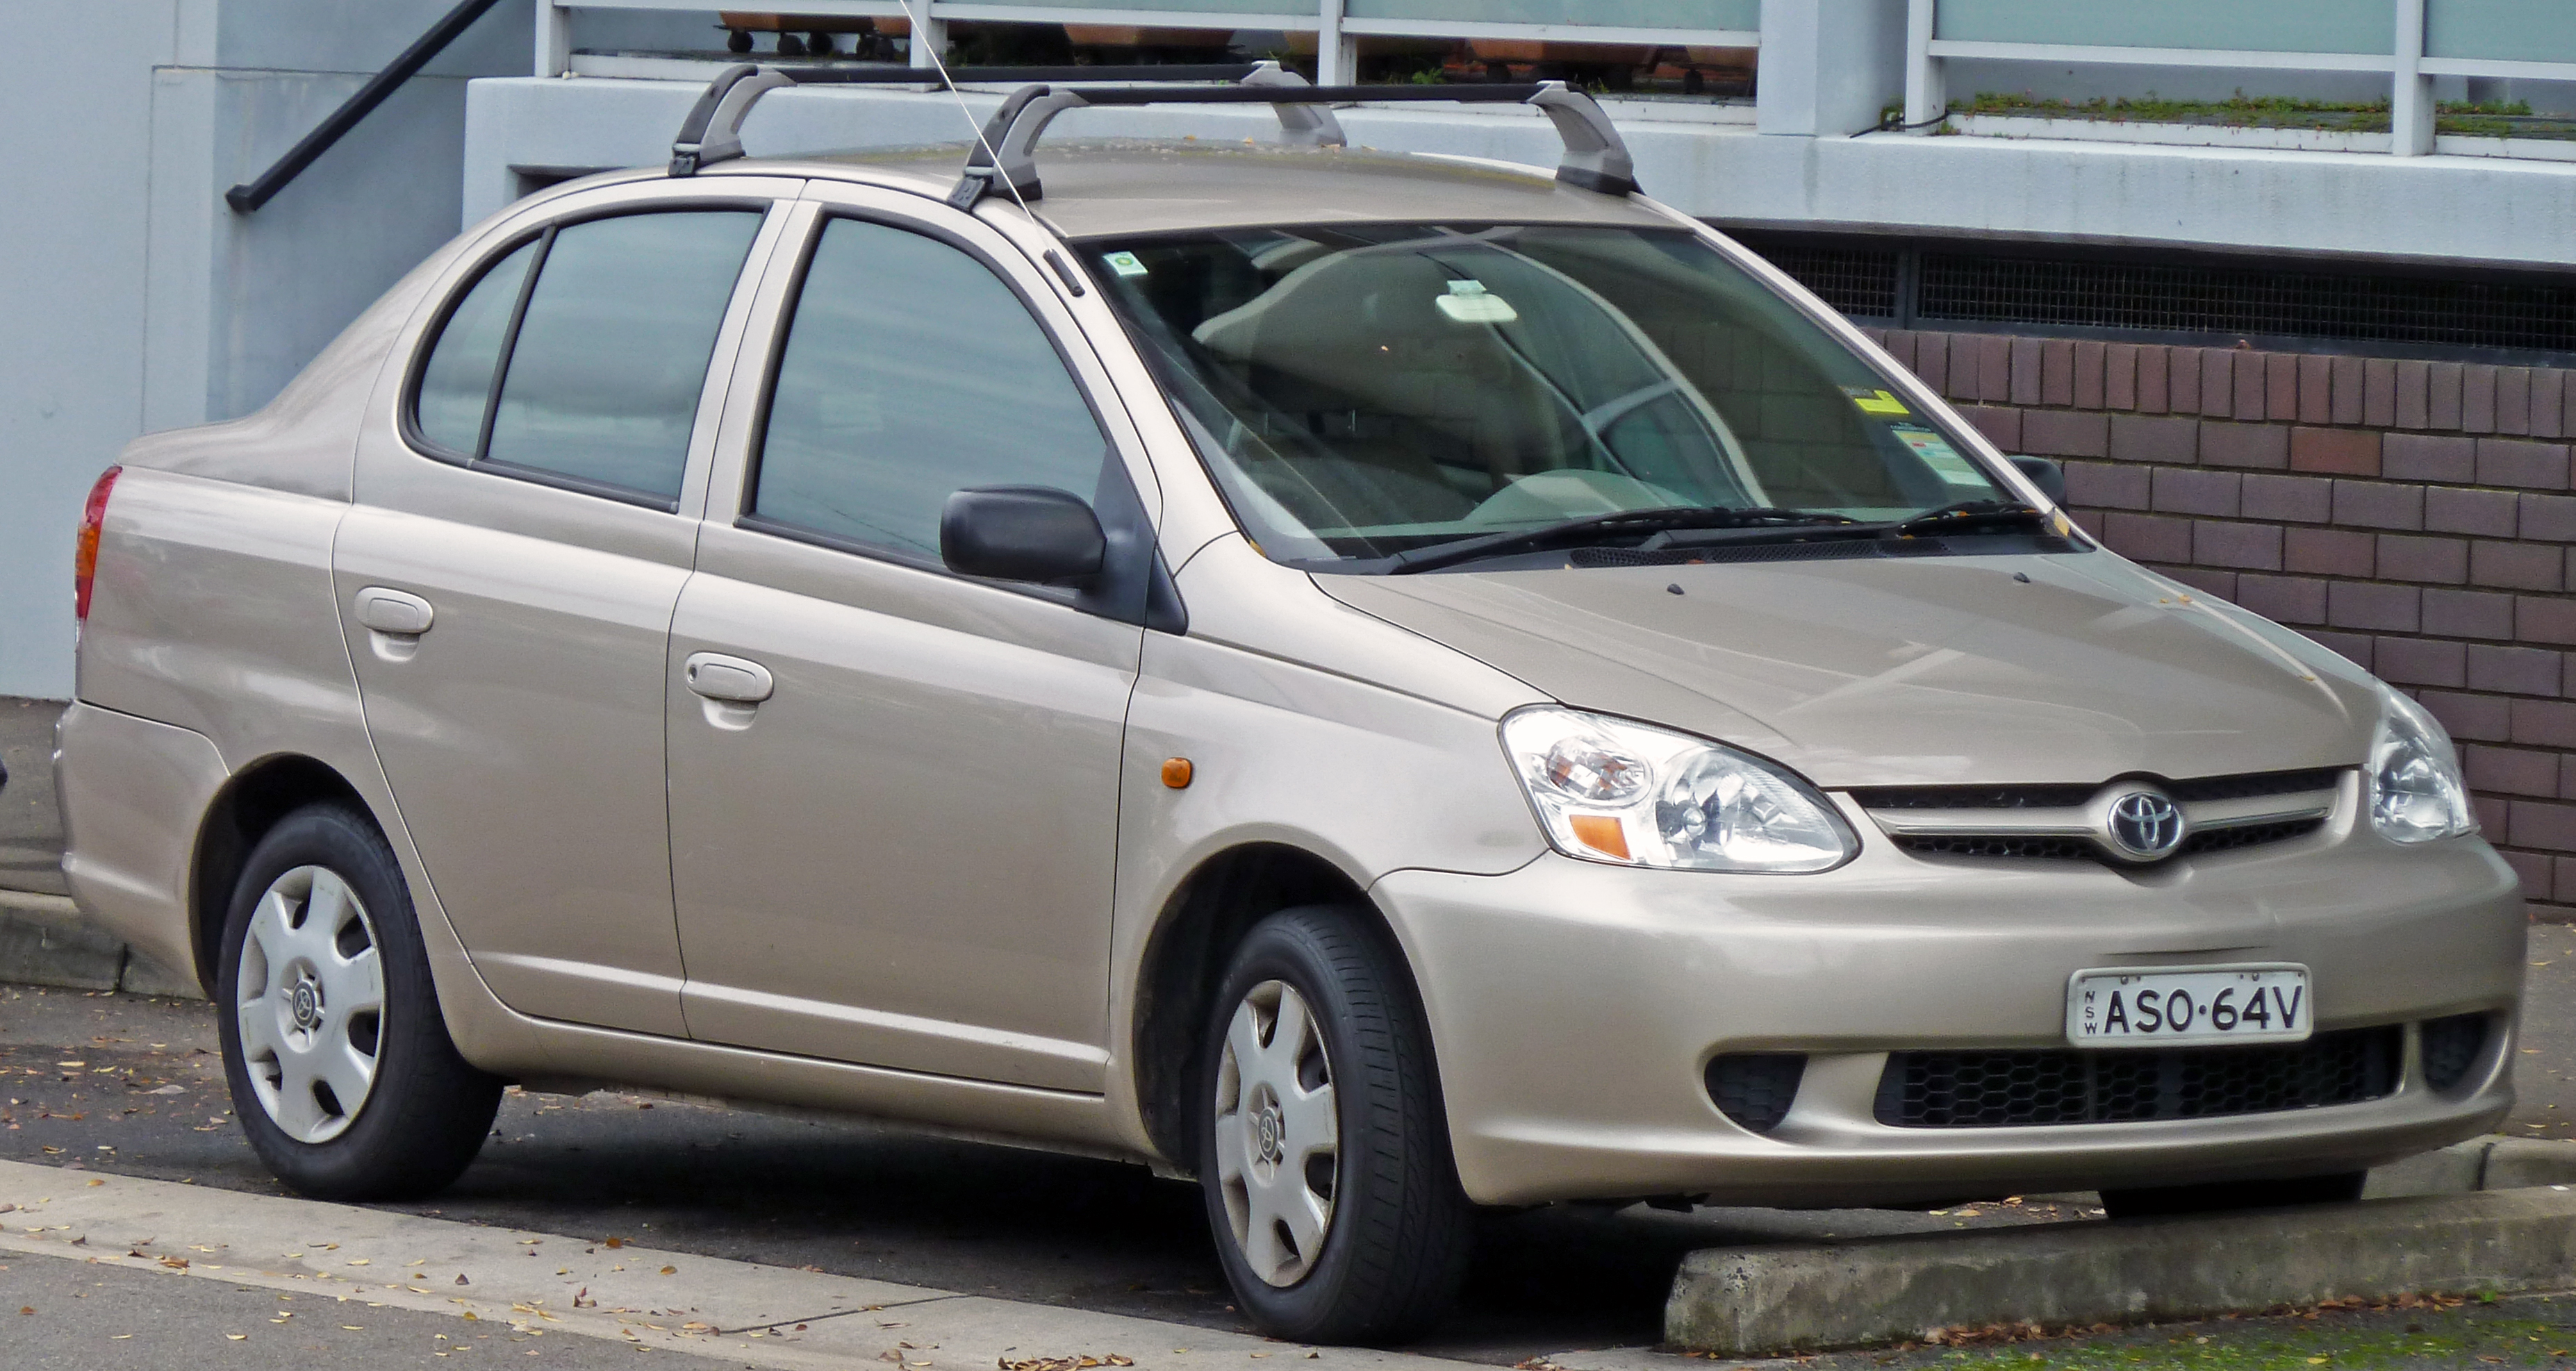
pixel 1878 402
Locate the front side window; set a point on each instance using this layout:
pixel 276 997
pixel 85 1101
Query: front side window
pixel 1363 394
pixel 911 371
pixel 582 354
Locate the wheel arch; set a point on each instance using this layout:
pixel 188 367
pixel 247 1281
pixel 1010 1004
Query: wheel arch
pixel 241 813
pixel 1195 935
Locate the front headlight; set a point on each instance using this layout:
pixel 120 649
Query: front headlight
pixel 1609 790
pixel 2416 794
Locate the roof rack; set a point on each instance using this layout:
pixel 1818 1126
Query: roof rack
pixel 1595 157
pixel 713 131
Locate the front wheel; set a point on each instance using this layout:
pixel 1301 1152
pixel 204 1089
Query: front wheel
pixel 1324 1156
pixel 341 1070
pixel 2221 1197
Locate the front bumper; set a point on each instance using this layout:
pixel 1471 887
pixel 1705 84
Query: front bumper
pixel 1574 1007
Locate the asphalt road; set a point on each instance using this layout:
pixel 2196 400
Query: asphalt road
pixel 125 1084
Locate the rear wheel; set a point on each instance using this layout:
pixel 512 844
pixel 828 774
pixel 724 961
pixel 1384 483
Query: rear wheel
pixel 341 1070
pixel 1324 1156
pixel 2222 1196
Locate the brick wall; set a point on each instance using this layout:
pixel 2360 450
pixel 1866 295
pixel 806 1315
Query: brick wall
pixel 2413 516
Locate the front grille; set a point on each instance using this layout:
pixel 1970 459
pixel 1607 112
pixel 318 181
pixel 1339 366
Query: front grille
pixel 2210 840
pixel 2057 796
pixel 2451 1047
pixel 2256 785
pixel 2000 845
pixel 1756 1088
pixel 2018 1089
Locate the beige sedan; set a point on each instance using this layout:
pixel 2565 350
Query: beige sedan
pixel 1388 685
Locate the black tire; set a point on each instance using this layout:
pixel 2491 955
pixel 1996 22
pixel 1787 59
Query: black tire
pixel 737 40
pixel 428 1110
pixel 2221 1197
pixel 1396 1246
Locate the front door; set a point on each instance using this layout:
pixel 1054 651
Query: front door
pixel 893 789
pixel 506 585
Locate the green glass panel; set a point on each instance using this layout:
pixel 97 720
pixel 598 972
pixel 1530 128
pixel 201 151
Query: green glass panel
pixel 2340 26
pixel 1692 15
pixel 2501 30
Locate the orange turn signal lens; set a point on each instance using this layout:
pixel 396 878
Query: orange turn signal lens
pixel 1601 833
pixel 1176 773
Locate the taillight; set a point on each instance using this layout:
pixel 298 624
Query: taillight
pixel 85 550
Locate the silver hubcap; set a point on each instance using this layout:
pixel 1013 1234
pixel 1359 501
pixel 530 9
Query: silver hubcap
pixel 1278 1137
pixel 312 1004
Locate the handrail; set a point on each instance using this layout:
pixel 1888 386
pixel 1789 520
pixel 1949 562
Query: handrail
pixel 249 196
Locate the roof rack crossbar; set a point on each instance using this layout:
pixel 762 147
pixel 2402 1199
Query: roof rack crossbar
pixel 1595 157
pixel 712 132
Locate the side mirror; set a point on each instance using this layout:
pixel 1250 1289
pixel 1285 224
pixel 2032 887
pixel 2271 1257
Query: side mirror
pixel 2045 474
pixel 1021 533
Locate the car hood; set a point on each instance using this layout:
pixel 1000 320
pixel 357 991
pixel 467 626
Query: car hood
pixel 1910 671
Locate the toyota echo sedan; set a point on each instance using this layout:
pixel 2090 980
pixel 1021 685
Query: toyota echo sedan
pixel 1388 685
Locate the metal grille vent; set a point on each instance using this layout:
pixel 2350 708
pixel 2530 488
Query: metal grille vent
pixel 1756 1088
pixel 2451 1047
pixel 2002 1089
pixel 2177 295
pixel 1862 281
pixel 2206 298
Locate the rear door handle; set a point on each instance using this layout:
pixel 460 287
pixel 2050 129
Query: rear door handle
pixel 394 611
pixel 733 680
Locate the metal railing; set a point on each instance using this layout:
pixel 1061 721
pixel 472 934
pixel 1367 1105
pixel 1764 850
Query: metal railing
pixel 1338 25
pixel 2411 41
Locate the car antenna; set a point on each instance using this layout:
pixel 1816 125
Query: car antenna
pixel 921 35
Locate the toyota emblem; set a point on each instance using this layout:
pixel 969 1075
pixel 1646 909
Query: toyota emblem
pixel 2146 825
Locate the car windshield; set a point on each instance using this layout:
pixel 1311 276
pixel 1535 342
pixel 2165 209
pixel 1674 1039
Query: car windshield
pixel 1365 392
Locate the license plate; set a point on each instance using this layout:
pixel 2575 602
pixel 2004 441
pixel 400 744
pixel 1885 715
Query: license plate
pixel 2161 1006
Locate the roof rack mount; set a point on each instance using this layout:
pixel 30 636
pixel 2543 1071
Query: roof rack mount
pixel 1595 158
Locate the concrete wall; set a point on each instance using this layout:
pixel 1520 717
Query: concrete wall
pixel 136 300
pixel 2417 517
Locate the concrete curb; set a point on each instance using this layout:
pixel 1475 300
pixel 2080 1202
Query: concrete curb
pixel 1755 1301
pixel 45 941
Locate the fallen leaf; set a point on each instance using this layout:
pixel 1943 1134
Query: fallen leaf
pixel 613 1243
pixel 98 1182
pixel 460 1279
pixel 238 1337
pixel 670 1271
pixel 26 1309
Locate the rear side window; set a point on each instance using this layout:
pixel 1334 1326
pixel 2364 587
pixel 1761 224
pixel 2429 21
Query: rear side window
pixel 912 371
pixel 457 383
pixel 591 354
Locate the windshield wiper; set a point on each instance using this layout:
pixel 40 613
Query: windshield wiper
pixel 1596 526
pixel 1972 516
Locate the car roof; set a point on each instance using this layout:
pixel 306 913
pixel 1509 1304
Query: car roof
pixel 1115 187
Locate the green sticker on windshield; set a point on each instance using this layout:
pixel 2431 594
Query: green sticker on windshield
pixel 1125 264
pixel 1937 454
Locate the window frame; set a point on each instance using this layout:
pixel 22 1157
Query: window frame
pixel 756 442
pixel 407 406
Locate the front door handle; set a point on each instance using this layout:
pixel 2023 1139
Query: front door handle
pixel 732 680
pixel 394 611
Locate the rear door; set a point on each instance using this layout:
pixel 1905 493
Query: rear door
pixel 901 853
pixel 507 581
